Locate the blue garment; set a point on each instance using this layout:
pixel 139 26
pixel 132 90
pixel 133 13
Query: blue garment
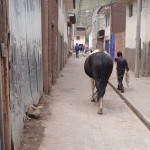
pixel 77 47
pixel 77 51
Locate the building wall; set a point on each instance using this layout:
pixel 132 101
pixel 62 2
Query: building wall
pixel 147 21
pixel 95 28
pixel 81 41
pixel 62 34
pixel 107 28
pixel 131 27
pixel 26 81
pixel 107 32
pixel 90 41
pixel 130 41
pixel 131 23
pixel 52 40
pixel 45 46
pixel 49 43
pixel 118 15
pixel 120 42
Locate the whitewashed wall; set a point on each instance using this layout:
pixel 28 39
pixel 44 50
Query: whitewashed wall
pixel 81 41
pixel 90 40
pixel 131 23
pixel 26 81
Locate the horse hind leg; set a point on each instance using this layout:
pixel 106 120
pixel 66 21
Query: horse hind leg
pixel 93 87
pixel 100 105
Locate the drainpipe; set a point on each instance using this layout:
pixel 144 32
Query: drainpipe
pixel 138 40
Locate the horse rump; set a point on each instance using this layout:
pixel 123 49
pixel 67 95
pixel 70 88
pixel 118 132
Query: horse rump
pixel 98 66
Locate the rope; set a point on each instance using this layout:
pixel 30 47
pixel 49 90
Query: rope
pixel 126 78
pixel 116 77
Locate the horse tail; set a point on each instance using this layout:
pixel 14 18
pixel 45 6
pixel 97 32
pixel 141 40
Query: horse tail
pixel 101 87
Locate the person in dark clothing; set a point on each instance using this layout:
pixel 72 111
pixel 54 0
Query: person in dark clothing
pixel 122 65
pixel 77 50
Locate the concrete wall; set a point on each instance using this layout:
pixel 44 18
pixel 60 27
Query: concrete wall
pixel 95 28
pixel 26 81
pixel 130 56
pixel 130 40
pixel 131 23
pixel 62 33
pixel 147 21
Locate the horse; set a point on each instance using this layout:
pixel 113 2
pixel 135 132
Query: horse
pixel 98 66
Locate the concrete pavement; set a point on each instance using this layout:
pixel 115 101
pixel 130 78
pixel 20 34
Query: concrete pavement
pixel 75 124
pixel 137 95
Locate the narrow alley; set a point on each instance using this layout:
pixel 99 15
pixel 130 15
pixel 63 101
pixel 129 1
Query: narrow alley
pixel 75 125
pixel 45 94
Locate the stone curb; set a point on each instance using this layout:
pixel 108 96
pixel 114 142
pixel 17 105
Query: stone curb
pixel 136 112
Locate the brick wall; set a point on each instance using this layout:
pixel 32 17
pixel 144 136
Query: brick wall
pixel 118 25
pixel 120 42
pixel 119 18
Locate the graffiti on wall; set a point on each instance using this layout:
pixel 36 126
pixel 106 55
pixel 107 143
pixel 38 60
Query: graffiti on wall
pixel 25 59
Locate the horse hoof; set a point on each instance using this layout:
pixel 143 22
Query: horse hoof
pixel 100 112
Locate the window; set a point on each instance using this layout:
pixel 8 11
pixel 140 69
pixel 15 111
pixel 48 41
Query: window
pixel 130 10
pixel 80 29
pixel 77 37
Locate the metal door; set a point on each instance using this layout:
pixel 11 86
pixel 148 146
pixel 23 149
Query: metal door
pixel 112 46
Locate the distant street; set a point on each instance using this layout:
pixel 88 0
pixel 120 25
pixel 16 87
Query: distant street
pixel 75 125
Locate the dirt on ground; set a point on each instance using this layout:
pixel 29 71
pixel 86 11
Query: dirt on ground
pixel 34 128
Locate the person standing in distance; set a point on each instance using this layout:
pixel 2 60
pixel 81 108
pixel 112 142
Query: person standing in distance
pixel 77 50
pixel 122 66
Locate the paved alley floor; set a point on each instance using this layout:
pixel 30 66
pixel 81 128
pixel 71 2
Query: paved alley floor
pixel 137 94
pixel 75 125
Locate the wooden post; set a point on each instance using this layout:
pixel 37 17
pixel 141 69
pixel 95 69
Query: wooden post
pixel 138 41
pixel 4 76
